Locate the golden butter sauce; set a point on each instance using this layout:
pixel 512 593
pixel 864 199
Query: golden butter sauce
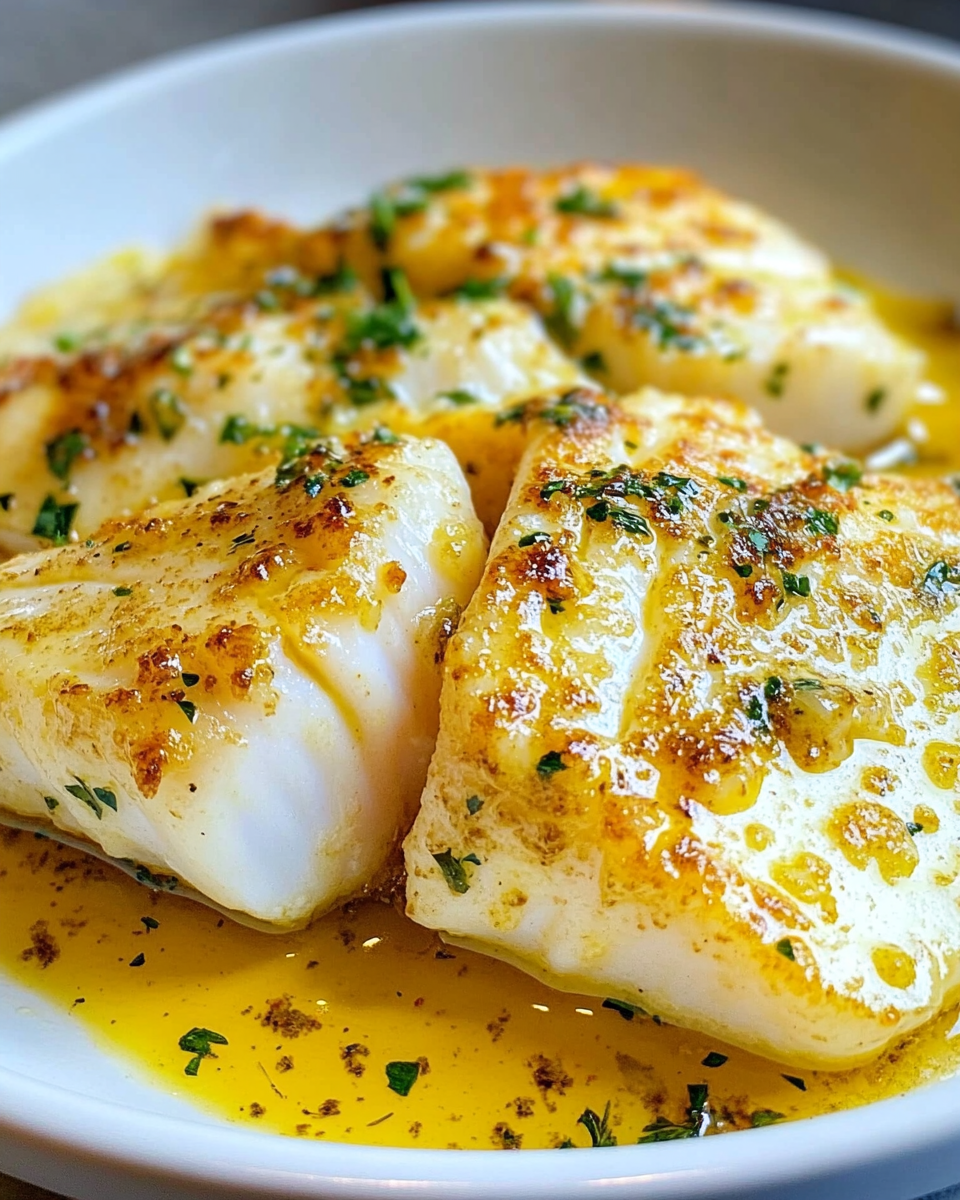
pixel 489 1057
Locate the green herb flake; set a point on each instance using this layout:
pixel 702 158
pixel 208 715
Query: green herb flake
pixel 808 685
pixel 169 413
pixel 551 763
pixel 123 591
pixel 54 521
pixel 843 475
pixel 453 872
pixel 138 961
pixel 754 709
pixel 190 485
pixel 796 1081
pixel 459 397
pixel 626 1010
pixel 555 604
pixel 474 804
pixel 795 585
pixel 563 319
pixel 773 688
pixel 664 1130
pixel 584 202
pixel 385 325
pixel 531 539
pixel 738 485
pixel 150 923
pixel 875 399
pixel 714 1059
pixel 189 709
pixel 190 679
pixel 621 518
pixel 913 828
pixel 67 343
pixel 821 523
pixel 594 362
pixel 401 1076
pixel 6 500
pixel 765 1116
pixel 482 289
pixel 776 382
pixel 623 274
pixel 95 799
pixel 198 1042
pixel 886 515
pixel 63 451
pixel 785 947
pixel 163 883
pixel 120 547
pixel 238 430
pixel 383 220
pixel 597 1127
pixel 354 478
pixel 51 802
pixel 744 570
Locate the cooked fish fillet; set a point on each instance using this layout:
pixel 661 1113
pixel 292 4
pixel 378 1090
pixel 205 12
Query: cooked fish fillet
pixel 240 690
pixel 652 277
pixel 109 430
pixel 700 734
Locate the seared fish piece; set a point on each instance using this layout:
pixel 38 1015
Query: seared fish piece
pixel 652 277
pixel 107 431
pixel 238 693
pixel 700 735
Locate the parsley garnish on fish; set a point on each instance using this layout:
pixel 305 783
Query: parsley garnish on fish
pixel 197 1042
pixel 795 585
pixel 875 399
pixel 138 961
pixel 796 1081
pixel 95 799
pixel 474 804
pixel 714 1059
pixel 563 320
pixel 54 521
pixel 584 202
pixel 388 324
pixel 482 289
pixel 626 1010
pixel 189 709
pixel 531 539
pixel 738 485
pixel 820 522
pixel 453 871
pixel 695 1125
pixel 5 501
pixel 169 413
pixel 354 478
pixel 843 475
pixel 63 451
pixel 551 763
pixel 150 923
pixel 785 947
pixel 776 383
pixel 942 579
pixel 765 1116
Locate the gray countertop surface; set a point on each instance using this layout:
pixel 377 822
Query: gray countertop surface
pixel 49 45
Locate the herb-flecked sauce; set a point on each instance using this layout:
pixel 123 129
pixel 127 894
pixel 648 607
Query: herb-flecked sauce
pixel 365 1028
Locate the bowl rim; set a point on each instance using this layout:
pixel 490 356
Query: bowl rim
pixel 249 1162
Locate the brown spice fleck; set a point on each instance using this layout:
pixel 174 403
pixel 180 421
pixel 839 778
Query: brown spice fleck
pixel 257 1110
pixel 496 1027
pixel 284 1064
pixel 329 1108
pixel 286 1020
pixel 522 1106
pixel 351 1055
pixel 504 1138
pixel 43 946
pixel 415 1128
pixel 550 1078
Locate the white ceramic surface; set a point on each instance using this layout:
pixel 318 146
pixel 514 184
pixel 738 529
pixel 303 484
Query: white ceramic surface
pixel 850 132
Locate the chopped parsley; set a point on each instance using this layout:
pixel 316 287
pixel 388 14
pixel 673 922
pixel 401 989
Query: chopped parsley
pixel 531 539
pixel 913 828
pixel 695 1125
pixel 121 546
pixel 189 709
pixel 597 1127
pixel 744 570
pixel 808 685
pixel 714 1059
pixel 594 362
pixel 354 478
pixel 383 219
pixel 190 485
pixel 63 451
pixel 474 804
pixel 164 883
pixel 622 518
pixel 886 515
pixel 169 413
pixel 584 202
pixel 94 798
pixel 738 485
pixel 453 872
pixel 942 579
pixel 190 679
pixel 150 923
pixel 624 1008
pixel 563 320
pixel 54 521
pixel 627 276
pixel 821 523
pixel 773 688
pixel 482 289
pixel 755 710
pixel 6 500
pixel 371 389
pixel 67 343
pixel 401 1076
pixel 785 947
pixel 669 325
pixel 388 324
pixel 776 382
pixel 843 475
pixel 138 961
pixel 198 1042
pixel 875 399
pixel 551 763
pixel 796 1081
pixel 51 802
pixel 123 591
pixel 453 181
pixel 459 397
pixel 765 1116
pixel 343 279
pixel 795 585
pixel 555 604
pixel 571 406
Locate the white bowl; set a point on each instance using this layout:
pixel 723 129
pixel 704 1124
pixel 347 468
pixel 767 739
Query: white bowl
pixel 847 130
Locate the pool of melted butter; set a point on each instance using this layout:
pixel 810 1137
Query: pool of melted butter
pixel 311 1020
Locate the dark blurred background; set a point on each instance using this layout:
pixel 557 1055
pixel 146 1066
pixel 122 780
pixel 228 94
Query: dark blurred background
pixel 48 45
